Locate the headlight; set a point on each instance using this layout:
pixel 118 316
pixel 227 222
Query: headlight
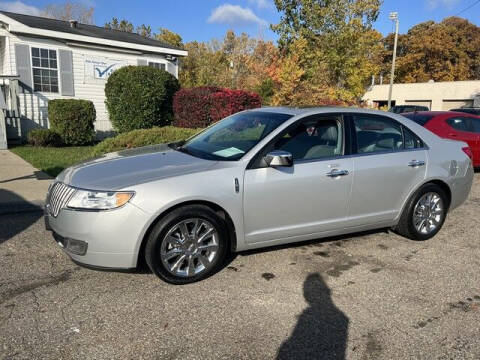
pixel 99 200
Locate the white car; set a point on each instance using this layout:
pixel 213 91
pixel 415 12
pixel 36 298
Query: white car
pixel 258 178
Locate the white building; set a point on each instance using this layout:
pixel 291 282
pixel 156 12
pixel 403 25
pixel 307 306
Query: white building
pixel 435 95
pixel 43 59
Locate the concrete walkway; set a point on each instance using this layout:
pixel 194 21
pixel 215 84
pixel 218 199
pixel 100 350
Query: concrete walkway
pixel 22 187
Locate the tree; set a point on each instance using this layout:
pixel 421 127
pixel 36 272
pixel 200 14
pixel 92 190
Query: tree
pixel 445 51
pixel 311 19
pixel 169 37
pixel 205 65
pixel 70 10
pixel 340 35
pixel 144 30
pixel 236 61
pixel 123 25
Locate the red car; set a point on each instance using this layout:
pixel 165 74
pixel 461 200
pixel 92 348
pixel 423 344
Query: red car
pixel 452 125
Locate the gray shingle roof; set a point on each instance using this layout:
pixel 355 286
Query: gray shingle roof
pixel 38 22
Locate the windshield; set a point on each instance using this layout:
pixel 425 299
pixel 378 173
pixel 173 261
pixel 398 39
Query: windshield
pixel 231 138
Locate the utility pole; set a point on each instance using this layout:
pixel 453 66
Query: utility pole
pixel 233 73
pixel 393 16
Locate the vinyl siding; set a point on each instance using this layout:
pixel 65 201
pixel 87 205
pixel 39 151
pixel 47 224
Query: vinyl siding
pixel 3 48
pixel 34 106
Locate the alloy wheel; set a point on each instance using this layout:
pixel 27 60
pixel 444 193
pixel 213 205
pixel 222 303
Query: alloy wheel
pixel 190 247
pixel 428 213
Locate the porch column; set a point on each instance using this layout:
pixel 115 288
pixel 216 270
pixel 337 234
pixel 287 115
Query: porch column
pixel 3 129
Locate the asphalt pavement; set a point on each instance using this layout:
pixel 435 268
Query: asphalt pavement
pixel 364 296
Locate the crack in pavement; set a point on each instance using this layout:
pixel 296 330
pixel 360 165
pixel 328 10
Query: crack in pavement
pixel 47 282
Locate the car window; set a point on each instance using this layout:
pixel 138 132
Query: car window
pixel 474 111
pixel 411 140
pixel 377 134
pixel 232 137
pixel 476 125
pixel 460 123
pixel 320 137
pixel 420 119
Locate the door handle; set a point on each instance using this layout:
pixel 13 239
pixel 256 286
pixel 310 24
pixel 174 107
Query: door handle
pixel 416 163
pixel 335 173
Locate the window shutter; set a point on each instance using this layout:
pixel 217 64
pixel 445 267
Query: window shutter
pixel 24 69
pixel 66 72
pixel 142 62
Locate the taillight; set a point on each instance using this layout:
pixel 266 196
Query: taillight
pixel 468 151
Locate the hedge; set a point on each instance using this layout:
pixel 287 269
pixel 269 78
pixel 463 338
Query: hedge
pixel 199 107
pixel 140 97
pixel 44 137
pixel 73 120
pixel 143 137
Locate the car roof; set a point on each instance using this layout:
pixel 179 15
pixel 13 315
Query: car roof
pixel 292 110
pixel 312 110
pixel 437 113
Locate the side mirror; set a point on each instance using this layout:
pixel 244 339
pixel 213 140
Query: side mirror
pixel 279 158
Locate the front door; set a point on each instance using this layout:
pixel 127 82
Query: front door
pixel 390 161
pixel 308 198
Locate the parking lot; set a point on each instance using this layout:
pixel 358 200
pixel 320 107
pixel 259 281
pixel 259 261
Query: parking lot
pixel 366 296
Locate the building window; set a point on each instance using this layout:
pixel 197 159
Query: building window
pixel 157 65
pixel 45 73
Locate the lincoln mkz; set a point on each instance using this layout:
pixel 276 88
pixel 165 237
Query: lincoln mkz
pixel 258 178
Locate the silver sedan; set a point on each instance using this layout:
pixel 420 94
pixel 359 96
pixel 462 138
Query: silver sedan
pixel 255 179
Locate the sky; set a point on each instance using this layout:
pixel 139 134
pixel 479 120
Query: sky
pixel 203 20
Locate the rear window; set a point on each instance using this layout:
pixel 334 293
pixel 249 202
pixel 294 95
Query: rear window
pixel 419 118
pixel 468 110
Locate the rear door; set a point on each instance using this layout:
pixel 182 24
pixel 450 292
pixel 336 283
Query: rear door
pixel 476 150
pixel 389 162
pixel 463 128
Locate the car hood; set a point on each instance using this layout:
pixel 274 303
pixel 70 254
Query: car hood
pixel 126 168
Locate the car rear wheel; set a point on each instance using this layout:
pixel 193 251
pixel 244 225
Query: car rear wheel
pixel 424 214
pixel 187 245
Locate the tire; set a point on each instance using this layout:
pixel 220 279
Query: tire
pixel 406 225
pixel 178 258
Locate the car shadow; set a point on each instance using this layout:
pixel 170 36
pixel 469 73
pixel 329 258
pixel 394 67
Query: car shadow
pixel 321 331
pixel 142 267
pixel 232 255
pixel 12 220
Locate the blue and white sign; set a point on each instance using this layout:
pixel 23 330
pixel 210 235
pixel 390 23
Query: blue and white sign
pixel 99 69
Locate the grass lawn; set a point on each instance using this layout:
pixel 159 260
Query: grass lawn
pixel 53 160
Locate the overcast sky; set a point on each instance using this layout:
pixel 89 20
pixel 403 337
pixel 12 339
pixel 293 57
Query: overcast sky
pixel 205 19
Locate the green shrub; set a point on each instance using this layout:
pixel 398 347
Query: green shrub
pixel 140 97
pixel 44 137
pixel 143 137
pixel 73 120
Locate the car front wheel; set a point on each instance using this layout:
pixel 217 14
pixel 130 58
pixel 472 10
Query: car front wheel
pixel 187 245
pixel 425 213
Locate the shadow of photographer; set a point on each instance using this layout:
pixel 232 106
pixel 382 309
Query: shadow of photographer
pixel 321 331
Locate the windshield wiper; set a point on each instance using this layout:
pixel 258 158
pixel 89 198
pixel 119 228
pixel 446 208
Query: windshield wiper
pixel 185 150
pixel 177 144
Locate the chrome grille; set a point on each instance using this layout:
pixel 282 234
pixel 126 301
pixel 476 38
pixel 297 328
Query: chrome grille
pixel 58 198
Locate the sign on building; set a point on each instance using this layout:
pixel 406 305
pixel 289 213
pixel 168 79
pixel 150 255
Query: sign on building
pixel 100 68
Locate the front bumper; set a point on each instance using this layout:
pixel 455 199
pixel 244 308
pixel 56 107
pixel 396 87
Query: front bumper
pixel 111 238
